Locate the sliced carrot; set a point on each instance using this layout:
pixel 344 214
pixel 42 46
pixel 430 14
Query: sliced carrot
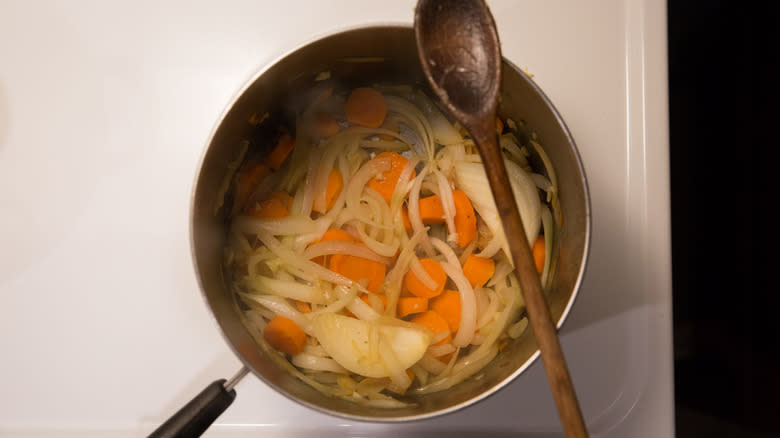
pixel 366 107
pixel 405 291
pixel 538 252
pixel 303 306
pixel 394 126
pixel 284 198
pixel 410 305
pixel 448 306
pixel 336 234
pixel 431 210
pixel 332 234
pixel 465 219
pixel 358 268
pixel 499 126
pixel 285 335
pixel 435 323
pixel 434 269
pixel 366 299
pixel 405 218
pixel 325 125
pixel 478 270
pixel 271 208
pixel 282 149
pixel 385 183
pixel 252 174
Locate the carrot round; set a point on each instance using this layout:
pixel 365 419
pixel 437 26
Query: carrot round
pixel 385 183
pixel 325 125
pixel 538 252
pixel 332 234
pixel 448 306
pixel 431 210
pixel 285 335
pixel 366 107
pixel 434 269
pixel 478 270
pixel 410 305
pixel 252 174
pixel 465 219
pixel 358 268
pixel 271 208
pixel 280 152
pixel 435 323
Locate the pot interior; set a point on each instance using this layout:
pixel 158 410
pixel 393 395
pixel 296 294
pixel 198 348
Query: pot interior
pixel 365 56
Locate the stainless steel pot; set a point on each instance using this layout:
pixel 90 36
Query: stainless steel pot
pixel 393 59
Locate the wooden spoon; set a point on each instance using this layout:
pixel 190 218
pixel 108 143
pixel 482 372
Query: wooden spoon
pixel 461 58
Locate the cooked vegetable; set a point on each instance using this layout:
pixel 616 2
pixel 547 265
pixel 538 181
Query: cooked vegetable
pixel 251 175
pixel 448 306
pixel 332 191
pixel 283 148
pixel 358 345
pixel 465 219
pixel 538 252
pixel 366 107
pixel 359 269
pixel 471 178
pixel 417 288
pixel 374 257
pixel 411 305
pixel 385 183
pixel 325 125
pixel 303 306
pixel 284 335
pixel 405 219
pixel 271 208
pixel 377 301
pixel 431 210
pixel 478 270
pixel 435 323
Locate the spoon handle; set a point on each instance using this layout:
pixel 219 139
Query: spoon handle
pixel 538 312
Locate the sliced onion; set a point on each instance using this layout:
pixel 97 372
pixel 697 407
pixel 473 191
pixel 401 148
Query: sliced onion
pixel 281 307
pixel 462 370
pixel 431 364
pixel 342 247
pixel 310 362
pixel 414 212
pixel 286 289
pixel 448 204
pixel 547 164
pixel 489 311
pixel 290 225
pixel 440 350
pixel 468 309
pixel 518 328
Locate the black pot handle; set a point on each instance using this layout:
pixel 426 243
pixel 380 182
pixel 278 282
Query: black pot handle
pixel 197 415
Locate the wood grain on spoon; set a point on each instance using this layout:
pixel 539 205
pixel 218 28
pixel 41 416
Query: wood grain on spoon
pixel 461 58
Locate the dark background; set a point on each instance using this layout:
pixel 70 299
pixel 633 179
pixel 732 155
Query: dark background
pixel 725 169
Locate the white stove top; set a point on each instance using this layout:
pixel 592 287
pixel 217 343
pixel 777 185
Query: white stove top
pixel 104 111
